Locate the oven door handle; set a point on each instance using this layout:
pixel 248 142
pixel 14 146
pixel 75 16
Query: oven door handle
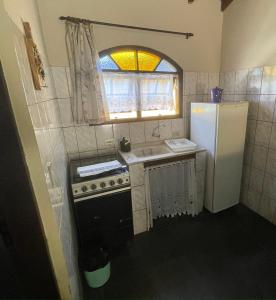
pixel 97 220
pixel 125 220
pixel 128 188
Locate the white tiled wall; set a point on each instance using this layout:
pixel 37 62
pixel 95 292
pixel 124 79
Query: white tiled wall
pixel 44 109
pixel 81 140
pixel 258 86
pixel 138 196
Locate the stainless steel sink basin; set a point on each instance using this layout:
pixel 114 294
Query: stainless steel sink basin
pixel 150 151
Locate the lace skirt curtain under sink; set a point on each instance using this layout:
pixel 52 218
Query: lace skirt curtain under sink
pixel 171 190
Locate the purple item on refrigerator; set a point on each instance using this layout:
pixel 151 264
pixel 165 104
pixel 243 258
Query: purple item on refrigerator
pixel 216 94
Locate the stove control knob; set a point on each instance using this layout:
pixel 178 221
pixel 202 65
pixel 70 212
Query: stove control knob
pixel 102 184
pixel 111 182
pixel 84 188
pixel 93 186
pixel 120 180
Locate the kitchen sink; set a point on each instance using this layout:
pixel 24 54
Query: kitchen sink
pixel 150 151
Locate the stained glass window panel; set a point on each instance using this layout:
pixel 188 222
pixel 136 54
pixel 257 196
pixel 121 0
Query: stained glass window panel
pixel 126 60
pixel 165 66
pixel 140 83
pixel 147 61
pixel 107 63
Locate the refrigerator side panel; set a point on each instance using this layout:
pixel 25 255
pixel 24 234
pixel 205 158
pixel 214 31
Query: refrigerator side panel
pixel 231 129
pixel 203 133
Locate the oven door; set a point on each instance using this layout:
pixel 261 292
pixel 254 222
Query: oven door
pixel 105 219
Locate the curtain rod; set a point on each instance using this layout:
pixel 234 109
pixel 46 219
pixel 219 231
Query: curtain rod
pixel 78 20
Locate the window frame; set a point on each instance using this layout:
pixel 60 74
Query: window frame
pixel 162 56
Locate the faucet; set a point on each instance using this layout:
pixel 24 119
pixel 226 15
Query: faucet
pixel 154 133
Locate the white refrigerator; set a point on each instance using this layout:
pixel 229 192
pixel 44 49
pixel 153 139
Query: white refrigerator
pixel 220 128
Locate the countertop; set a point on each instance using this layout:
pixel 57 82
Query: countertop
pixel 130 158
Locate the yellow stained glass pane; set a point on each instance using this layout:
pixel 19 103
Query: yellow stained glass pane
pixel 147 61
pixel 126 60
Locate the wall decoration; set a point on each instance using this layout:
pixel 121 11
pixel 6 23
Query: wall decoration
pixel 36 64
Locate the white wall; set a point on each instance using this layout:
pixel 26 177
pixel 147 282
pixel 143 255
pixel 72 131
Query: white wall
pixel 38 121
pixel 249 73
pixel 26 11
pixel 203 18
pixel 249 34
pixel 200 53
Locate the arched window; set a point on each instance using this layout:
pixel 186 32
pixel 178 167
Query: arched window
pixel 141 83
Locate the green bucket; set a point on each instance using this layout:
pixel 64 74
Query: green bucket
pixel 99 277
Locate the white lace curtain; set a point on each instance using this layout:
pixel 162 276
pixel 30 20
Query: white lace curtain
pixel 171 190
pixel 128 92
pixel 89 103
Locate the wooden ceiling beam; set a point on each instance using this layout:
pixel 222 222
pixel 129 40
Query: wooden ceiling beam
pixel 225 4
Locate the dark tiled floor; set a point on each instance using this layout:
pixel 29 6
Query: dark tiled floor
pixel 230 255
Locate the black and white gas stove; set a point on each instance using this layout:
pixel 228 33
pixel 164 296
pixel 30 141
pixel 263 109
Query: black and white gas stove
pixel 95 185
pixel 102 203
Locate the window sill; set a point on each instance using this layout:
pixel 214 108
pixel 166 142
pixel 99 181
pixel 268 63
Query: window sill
pixel 160 118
